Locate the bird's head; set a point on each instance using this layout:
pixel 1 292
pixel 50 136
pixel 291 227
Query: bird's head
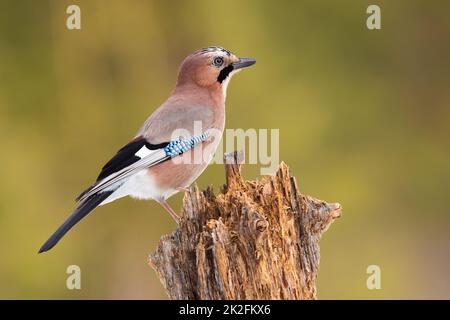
pixel 211 67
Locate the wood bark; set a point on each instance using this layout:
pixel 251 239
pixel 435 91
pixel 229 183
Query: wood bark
pixel 252 240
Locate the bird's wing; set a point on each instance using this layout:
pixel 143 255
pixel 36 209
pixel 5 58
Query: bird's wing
pixel 152 144
pixel 137 155
pixel 129 154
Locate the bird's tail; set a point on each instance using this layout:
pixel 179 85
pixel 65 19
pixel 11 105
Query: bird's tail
pixel 83 209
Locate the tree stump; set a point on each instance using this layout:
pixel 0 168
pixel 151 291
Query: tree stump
pixel 253 240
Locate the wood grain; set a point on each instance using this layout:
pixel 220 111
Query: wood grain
pixel 252 240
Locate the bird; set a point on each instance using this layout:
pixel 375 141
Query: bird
pixel 174 145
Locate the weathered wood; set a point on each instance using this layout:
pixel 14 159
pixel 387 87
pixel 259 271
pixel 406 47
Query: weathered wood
pixel 253 240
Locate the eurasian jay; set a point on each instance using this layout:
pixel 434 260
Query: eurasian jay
pixel 169 152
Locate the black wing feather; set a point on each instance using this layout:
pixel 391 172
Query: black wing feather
pixel 125 157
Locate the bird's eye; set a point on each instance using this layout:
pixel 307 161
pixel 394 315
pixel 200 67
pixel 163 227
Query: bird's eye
pixel 218 61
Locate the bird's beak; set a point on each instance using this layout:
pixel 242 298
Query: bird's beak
pixel 243 63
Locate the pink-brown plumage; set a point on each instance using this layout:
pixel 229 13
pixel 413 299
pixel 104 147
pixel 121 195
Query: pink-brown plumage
pixel 142 168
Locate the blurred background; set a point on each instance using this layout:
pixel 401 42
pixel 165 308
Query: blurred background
pixel 363 118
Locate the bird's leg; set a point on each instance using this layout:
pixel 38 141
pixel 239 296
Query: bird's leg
pixel 172 213
pixel 181 189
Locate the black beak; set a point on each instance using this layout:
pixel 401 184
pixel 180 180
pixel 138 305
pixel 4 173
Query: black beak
pixel 243 63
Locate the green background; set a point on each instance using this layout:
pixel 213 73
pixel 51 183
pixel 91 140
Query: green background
pixel 363 118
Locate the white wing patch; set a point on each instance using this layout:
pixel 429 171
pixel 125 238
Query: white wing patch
pixel 143 152
pixel 117 178
pixel 147 158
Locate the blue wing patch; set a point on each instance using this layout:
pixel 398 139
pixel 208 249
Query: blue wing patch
pixel 177 147
pixel 128 161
